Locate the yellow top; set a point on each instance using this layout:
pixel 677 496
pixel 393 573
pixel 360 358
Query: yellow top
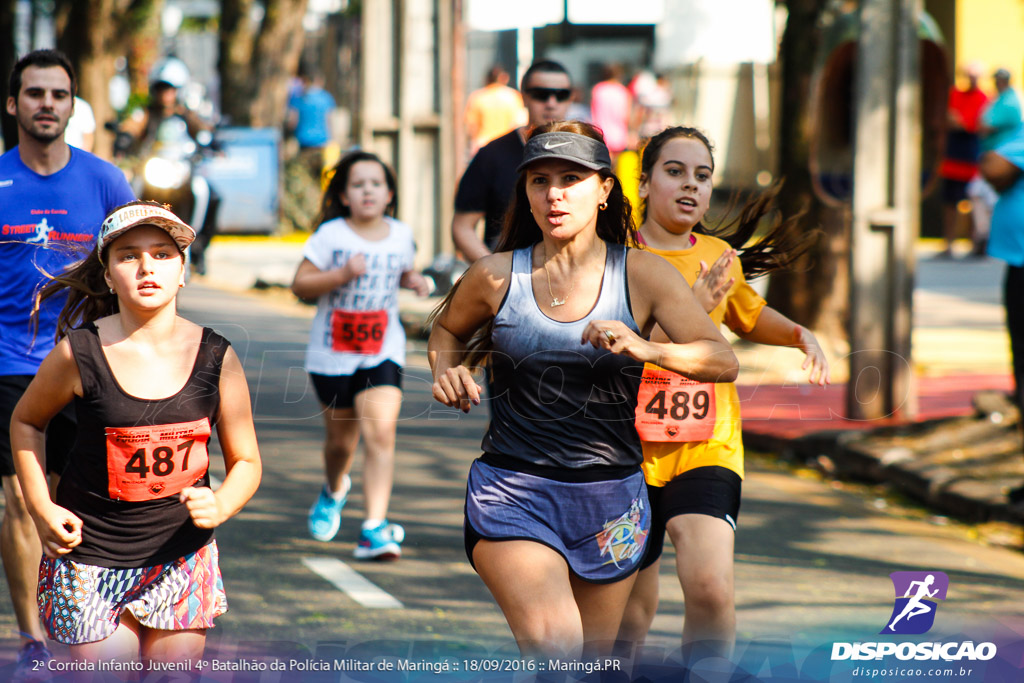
pixel 491 112
pixel 740 309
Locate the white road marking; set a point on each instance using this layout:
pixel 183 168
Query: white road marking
pixel 351 582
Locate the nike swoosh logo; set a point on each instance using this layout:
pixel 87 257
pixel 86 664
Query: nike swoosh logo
pixel 548 145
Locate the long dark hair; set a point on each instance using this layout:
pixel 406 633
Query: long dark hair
pixel 614 224
pixel 89 296
pixel 331 206
pixel 785 240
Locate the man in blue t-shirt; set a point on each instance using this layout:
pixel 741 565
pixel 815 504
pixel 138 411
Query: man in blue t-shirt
pixel 1003 168
pixel 309 116
pixel 53 199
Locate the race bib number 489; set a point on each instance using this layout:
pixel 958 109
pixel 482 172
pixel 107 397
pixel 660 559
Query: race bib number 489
pixel 146 463
pixel 673 408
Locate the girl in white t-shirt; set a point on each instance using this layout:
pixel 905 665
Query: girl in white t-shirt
pixel 353 266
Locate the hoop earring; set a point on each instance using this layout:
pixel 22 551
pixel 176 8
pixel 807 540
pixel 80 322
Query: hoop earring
pixel 602 206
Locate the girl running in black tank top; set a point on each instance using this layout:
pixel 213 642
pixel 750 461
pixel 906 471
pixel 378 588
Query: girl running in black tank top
pixel 130 563
pixel 556 509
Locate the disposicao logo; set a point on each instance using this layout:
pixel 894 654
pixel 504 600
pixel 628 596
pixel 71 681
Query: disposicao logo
pixel 913 613
pixel 917 596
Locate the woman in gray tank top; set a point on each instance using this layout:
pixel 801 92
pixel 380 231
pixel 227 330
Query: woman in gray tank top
pixel 556 511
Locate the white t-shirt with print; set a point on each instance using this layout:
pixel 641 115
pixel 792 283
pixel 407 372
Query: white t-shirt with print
pixel 338 314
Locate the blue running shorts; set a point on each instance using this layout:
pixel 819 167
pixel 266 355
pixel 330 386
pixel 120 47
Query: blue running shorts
pixel 599 527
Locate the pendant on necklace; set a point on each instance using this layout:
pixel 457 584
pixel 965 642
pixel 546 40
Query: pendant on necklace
pixel 557 302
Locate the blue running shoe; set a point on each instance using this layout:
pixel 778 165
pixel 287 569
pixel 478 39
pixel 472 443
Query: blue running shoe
pixel 325 516
pixel 32 663
pixel 383 542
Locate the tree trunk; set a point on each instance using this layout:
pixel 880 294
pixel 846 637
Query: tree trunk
pixel 7 61
pixel 815 292
pixel 234 65
pixel 90 39
pixel 143 43
pixel 276 60
pixel 256 65
pixel 93 35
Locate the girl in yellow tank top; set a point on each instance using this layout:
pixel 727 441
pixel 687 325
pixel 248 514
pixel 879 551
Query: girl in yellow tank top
pixel 693 449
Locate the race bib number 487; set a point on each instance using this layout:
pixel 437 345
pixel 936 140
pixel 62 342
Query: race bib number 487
pixel 146 463
pixel 673 408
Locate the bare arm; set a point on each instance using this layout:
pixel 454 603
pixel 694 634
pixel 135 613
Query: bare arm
pixel 414 280
pixel 660 295
pixel 999 171
pixel 465 236
pixel 775 329
pixel 54 386
pixel 135 124
pixel 241 453
pixel 310 282
pixel 474 302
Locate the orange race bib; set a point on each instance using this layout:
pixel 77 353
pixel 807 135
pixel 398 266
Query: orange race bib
pixel 358 331
pixel 146 463
pixel 673 408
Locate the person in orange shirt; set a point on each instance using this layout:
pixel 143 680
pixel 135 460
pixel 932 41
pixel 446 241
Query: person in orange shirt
pixel 493 110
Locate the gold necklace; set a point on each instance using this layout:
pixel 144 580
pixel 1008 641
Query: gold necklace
pixel 555 301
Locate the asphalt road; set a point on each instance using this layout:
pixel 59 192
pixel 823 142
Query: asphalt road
pixel 813 557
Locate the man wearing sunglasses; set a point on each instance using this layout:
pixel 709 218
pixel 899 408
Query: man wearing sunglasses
pixel 488 183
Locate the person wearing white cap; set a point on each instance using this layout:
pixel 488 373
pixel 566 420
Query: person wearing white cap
pixel 557 515
pixel 131 567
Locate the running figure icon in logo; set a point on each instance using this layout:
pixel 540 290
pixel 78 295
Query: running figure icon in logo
pixel 42 236
pixel 919 591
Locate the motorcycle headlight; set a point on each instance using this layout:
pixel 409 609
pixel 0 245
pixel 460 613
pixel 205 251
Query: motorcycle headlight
pixel 166 174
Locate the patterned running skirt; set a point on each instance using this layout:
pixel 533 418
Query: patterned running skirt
pixel 83 603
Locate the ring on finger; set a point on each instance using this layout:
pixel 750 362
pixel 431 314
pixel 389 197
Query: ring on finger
pixel 610 336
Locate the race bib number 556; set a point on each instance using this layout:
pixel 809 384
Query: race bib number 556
pixel 146 463
pixel 359 332
pixel 673 408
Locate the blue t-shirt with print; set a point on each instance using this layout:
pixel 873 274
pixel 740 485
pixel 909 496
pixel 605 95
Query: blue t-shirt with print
pixel 46 224
pixel 313 107
pixel 1006 234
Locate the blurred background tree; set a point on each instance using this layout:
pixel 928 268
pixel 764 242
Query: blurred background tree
pixel 815 293
pixel 94 34
pixel 8 55
pixel 258 59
